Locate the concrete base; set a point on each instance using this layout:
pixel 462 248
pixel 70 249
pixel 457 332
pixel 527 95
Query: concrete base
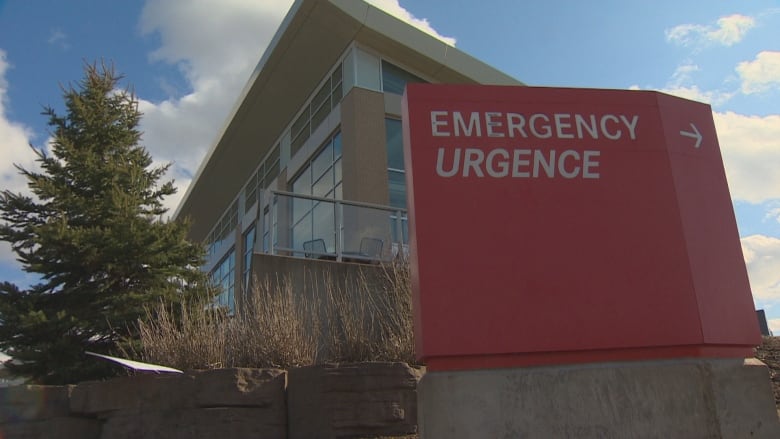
pixel 690 398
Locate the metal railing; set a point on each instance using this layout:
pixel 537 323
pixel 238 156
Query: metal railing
pixel 324 228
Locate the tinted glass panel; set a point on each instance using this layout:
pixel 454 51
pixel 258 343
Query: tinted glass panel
pixel 397 183
pixel 324 184
pixel 322 161
pixel 395 144
pixel 395 78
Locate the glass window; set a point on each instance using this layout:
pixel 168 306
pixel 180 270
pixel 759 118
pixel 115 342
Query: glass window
pixel 249 245
pixel 224 275
pixel 397 184
pixel 269 227
pixel 395 163
pixel 266 172
pixel 222 228
pixel 325 98
pixel 323 161
pixel 395 144
pixel 320 178
pixel 300 123
pixel 394 78
pixel 324 185
pixel 266 230
pixel 322 95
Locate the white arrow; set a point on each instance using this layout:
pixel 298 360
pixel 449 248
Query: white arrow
pixel 694 135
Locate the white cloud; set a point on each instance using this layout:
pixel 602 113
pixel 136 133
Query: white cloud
pixel 682 73
pixel 728 31
pixel 680 85
pixel 393 8
pixel 750 146
pixel 762 257
pixel 14 140
pixel 774 325
pixel 773 214
pixel 693 92
pixel 761 74
pixel 58 38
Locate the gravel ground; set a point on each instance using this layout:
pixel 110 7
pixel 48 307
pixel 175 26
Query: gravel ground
pixel 769 353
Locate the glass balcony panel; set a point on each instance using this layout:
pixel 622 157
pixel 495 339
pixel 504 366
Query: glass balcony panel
pixel 301 232
pixel 324 224
pixel 366 232
pixel 300 208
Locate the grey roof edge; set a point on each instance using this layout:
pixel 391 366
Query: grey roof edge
pixel 424 43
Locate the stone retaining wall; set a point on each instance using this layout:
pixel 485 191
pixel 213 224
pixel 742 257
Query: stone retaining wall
pixel 330 401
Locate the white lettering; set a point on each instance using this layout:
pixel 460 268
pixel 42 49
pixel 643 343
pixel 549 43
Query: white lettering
pixel 549 166
pixel 560 125
pixel 592 129
pixel 440 163
pixel 460 124
pixel 503 165
pixel 588 163
pixel 436 123
pixel 562 164
pixel 546 131
pixel 607 134
pixel 631 125
pixel 472 159
pixel 490 123
pixel 517 162
pixel 515 122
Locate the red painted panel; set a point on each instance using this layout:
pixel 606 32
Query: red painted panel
pixel 550 220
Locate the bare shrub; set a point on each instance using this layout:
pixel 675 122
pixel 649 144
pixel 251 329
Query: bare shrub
pixel 274 327
pixel 365 318
pixel 371 318
pixel 184 335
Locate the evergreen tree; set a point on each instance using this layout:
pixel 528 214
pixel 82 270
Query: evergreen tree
pixel 93 233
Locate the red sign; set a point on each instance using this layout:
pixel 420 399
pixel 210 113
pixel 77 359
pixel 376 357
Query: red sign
pixel 556 225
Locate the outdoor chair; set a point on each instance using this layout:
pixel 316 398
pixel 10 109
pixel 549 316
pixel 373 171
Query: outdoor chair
pixel 314 248
pixel 371 248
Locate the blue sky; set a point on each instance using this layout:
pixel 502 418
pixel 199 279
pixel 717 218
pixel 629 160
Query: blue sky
pixel 188 59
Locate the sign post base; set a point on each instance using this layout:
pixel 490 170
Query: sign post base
pixel 685 398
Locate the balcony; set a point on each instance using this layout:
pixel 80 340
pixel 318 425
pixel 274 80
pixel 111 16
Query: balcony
pixel 328 229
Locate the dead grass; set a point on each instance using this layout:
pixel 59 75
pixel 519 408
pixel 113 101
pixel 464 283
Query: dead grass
pixel 367 318
pixel 371 321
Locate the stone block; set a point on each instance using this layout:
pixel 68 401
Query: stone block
pixel 352 400
pixel 236 387
pixel 673 398
pixel 139 392
pixel 240 387
pixel 232 422
pixel 30 402
pixel 59 428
